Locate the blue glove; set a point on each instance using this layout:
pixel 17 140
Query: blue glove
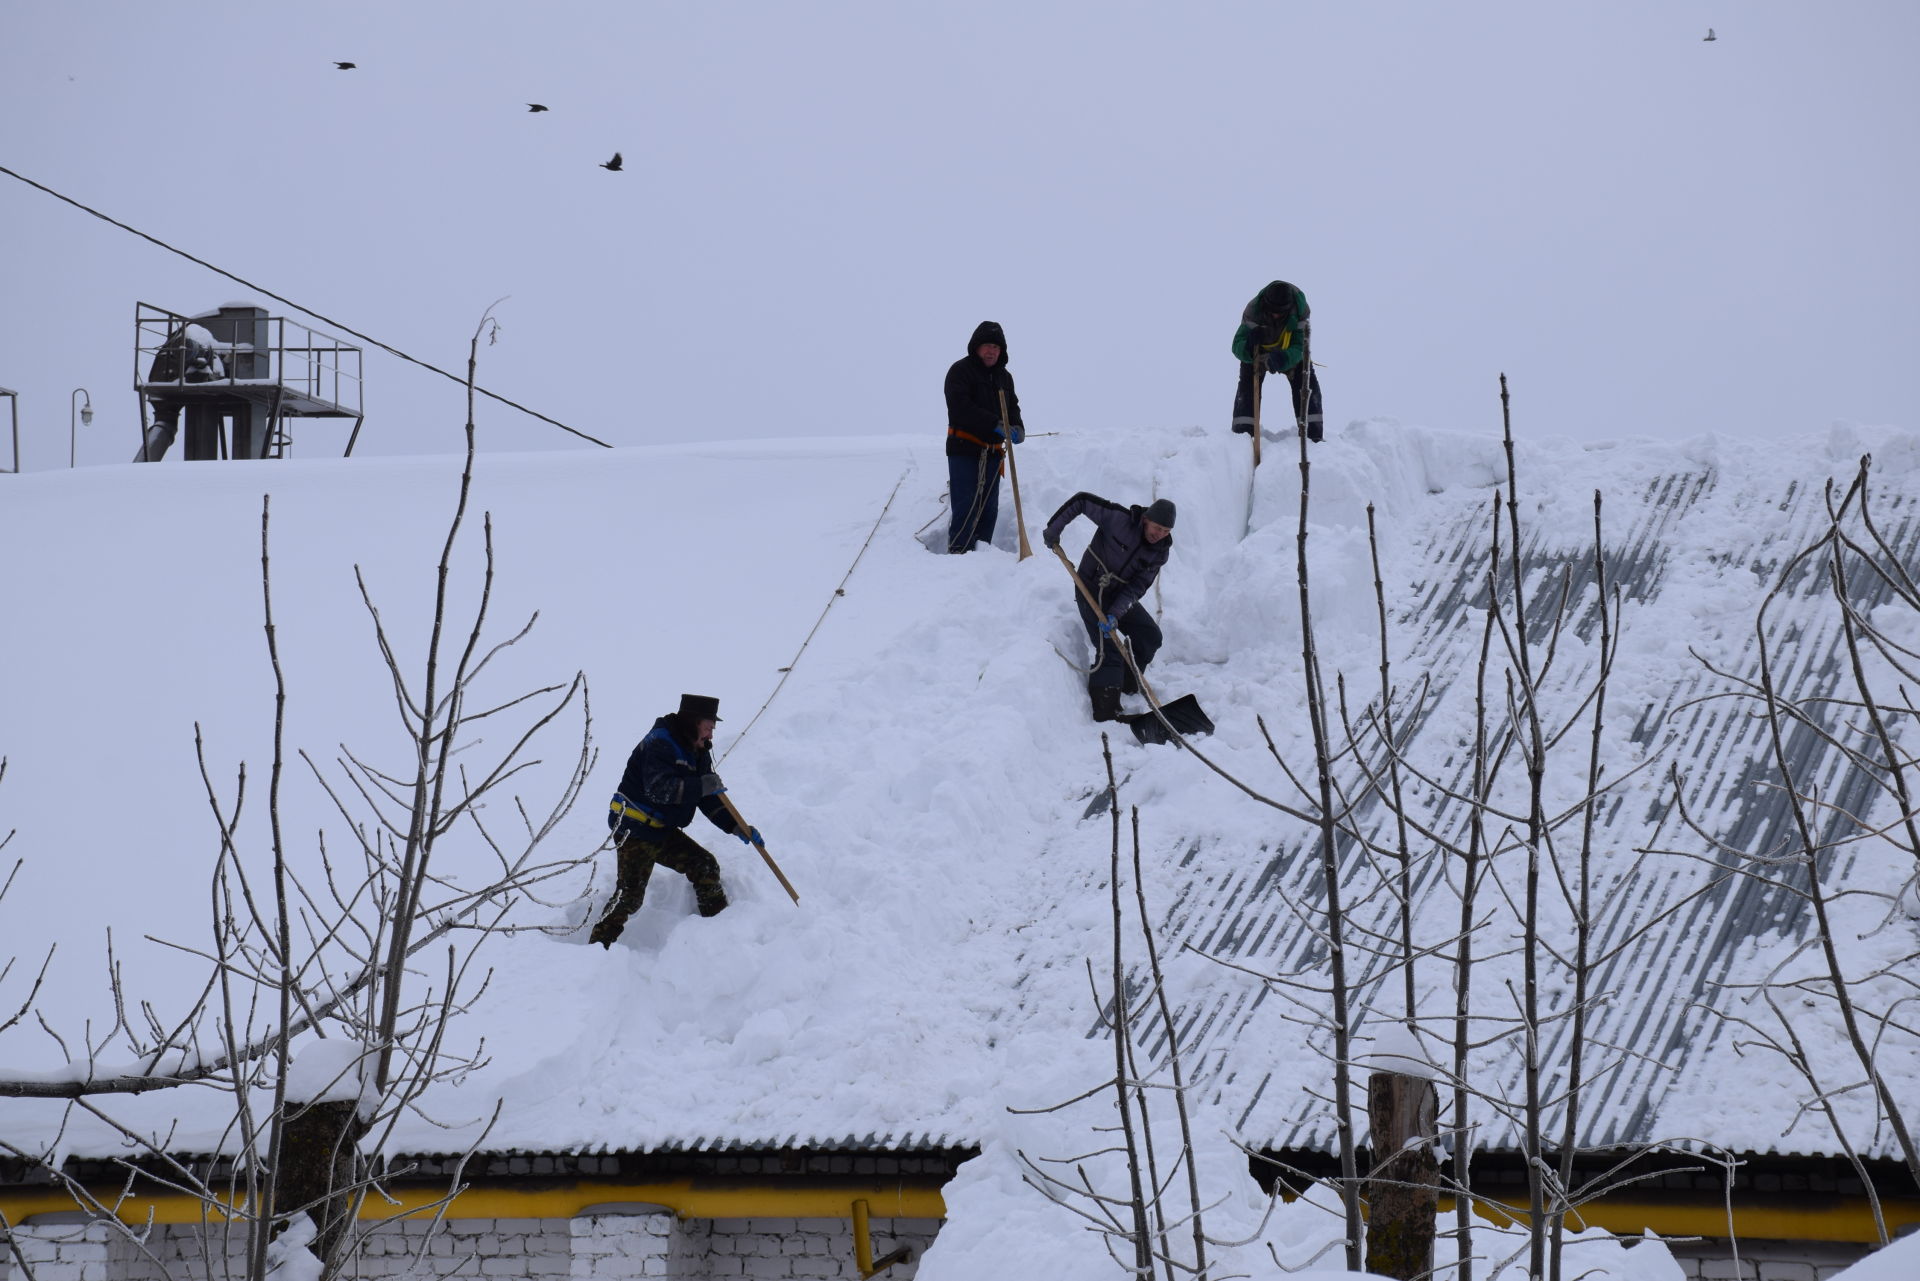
pixel 1107 627
pixel 1019 434
pixel 710 785
pixel 751 837
pixel 1000 434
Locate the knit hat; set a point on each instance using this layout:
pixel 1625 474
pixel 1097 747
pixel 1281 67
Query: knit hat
pixel 699 707
pixel 1161 513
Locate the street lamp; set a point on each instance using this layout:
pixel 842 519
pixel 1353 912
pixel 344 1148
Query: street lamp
pixel 86 416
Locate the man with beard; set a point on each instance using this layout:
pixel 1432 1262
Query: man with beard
pixel 668 777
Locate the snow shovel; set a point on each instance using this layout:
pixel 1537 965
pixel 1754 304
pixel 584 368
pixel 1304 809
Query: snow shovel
pixel 1006 429
pixel 1183 713
pixel 1182 716
pixel 745 826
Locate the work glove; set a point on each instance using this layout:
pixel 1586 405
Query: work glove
pixel 1019 434
pixel 710 785
pixel 751 837
pixel 1000 435
pixel 1050 540
pixel 1106 627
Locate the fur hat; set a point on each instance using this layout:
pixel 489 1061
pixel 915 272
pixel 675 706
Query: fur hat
pixel 695 708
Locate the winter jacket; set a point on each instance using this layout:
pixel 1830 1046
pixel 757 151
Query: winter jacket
pixel 1274 325
pixel 661 787
pixel 1120 564
pixel 973 401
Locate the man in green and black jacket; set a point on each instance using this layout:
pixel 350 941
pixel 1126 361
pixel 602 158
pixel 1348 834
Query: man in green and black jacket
pixel 1272 339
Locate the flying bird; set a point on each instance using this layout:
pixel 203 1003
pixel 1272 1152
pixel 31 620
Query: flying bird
pixel 1709 35
pixel 613 164
pixel 346 66
pixel 536 106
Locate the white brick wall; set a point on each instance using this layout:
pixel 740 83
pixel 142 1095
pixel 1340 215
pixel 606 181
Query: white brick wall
pixel 634 1243
pixel 63 1251
pixel 1765 1260
pixel 614 1247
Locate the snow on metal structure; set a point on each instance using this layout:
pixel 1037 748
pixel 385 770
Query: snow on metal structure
pixel 259 371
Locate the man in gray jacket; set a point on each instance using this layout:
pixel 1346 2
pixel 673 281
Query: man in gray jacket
pixel 1129 546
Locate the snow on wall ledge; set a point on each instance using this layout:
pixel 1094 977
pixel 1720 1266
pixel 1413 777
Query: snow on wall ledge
pixel 921 776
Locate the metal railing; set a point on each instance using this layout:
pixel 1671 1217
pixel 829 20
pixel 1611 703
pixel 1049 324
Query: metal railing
pixel 279 353
pixel 284 368
pixel 13 400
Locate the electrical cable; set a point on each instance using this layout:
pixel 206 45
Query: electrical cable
pixel 259 289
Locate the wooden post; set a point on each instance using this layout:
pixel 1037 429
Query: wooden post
pixel 1403 1193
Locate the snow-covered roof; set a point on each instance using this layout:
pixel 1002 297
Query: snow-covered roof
pixel 925 772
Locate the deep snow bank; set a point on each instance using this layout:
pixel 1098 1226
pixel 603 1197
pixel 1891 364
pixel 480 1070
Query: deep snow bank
pixel 921 775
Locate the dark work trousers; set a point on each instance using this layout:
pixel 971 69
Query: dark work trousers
pixel 1302 383
pixel 671 848
pixel 1109 669
pixel 973 497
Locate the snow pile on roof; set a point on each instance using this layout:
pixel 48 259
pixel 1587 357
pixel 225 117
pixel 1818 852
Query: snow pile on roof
pixel 923 774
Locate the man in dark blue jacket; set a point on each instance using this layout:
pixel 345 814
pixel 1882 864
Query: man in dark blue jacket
pixel 669 776
pixel 975 440
pixel 1129 546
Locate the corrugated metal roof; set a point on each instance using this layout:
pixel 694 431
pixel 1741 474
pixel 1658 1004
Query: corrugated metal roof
pixel 1676 930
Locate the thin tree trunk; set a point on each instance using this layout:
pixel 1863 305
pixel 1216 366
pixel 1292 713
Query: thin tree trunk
pixel 1330 875
pixel 1122 1085
pixel 1583 911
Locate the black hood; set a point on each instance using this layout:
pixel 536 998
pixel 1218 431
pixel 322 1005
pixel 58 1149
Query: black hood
pixel 988 331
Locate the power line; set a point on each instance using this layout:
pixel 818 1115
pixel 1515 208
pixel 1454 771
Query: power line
pixel 259 289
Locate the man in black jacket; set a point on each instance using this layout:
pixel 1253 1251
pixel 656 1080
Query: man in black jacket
pixel 1129 546
pixel 669 776
pixel 975 440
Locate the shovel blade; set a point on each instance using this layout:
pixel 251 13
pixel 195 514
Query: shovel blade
pixel 1183 713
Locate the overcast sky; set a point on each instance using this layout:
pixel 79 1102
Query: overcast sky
pixel 1649 233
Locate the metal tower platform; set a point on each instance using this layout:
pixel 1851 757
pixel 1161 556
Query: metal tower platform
pixel 239 377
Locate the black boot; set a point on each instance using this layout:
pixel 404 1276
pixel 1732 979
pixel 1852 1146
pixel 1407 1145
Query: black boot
pixel 1130 684
pixel 1106 702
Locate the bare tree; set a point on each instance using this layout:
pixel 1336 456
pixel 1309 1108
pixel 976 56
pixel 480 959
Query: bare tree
pixel 1138 1227
pixel 1454 871
pixel 321 962
pixel 1857 713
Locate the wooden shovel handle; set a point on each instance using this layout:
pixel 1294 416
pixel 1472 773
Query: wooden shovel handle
pixel 745 828
pixel 1013 470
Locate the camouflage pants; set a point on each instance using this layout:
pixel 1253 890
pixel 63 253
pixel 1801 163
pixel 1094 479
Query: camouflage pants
pixel 673 849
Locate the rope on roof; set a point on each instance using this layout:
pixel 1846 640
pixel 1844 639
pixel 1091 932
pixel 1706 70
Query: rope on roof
pixel 838 592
